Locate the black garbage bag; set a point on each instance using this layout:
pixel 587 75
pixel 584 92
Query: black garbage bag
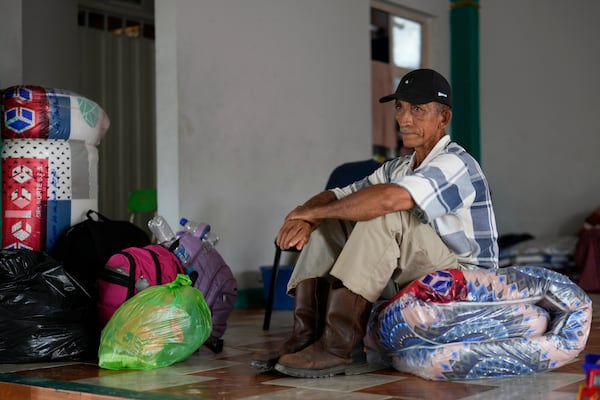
pixel 45 314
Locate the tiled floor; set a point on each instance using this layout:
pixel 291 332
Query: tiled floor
pixel 229 376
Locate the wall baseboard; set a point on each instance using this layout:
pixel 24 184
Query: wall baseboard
pixel 250 298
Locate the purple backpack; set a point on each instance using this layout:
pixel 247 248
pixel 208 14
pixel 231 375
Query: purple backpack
pixel 131 270
pixel 213 277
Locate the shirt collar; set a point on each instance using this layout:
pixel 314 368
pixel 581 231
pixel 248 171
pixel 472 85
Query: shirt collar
pixel 437 149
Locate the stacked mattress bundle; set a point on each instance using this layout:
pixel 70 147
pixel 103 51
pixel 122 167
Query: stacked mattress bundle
pixel 49 163
pixel 555 253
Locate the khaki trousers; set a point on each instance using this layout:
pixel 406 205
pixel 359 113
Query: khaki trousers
pixel 366 255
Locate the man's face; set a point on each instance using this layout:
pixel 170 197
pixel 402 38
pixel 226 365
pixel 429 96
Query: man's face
pixel 422 125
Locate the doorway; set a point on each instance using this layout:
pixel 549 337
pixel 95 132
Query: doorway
pixel 116 47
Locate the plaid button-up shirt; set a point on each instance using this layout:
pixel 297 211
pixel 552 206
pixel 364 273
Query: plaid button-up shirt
pixel 451 194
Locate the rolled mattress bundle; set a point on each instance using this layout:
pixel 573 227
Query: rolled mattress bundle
pixel 49 163
pixel 462 325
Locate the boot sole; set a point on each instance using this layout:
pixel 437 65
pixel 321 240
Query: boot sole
pixel 310 373
pixel 263 365
pixel 348 370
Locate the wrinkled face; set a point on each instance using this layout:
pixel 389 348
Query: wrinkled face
pixel 422 125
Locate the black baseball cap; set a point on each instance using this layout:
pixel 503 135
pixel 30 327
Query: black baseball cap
pixel 422 86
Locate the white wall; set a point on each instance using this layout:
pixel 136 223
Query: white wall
pixel 540 112
pixel 50 38
pixel 272 95
pixel 11 43
pixel 38 41
pixel 167 112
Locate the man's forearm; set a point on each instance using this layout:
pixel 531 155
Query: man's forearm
pixel 320 199
pixel 363 205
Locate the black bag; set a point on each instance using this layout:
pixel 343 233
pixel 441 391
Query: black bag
pixel 45 314
pixel 85 247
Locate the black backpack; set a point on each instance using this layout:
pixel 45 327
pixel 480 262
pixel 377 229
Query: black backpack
pixel 85 247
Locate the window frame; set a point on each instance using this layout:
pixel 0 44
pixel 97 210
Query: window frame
pixel 403 12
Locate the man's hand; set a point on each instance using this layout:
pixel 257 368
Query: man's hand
pixel 294 233
pixel 301 213
pixel 299 223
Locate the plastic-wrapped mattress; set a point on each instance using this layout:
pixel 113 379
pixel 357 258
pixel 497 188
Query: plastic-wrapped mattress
pixel 34 112
pixel 49 163
pixel 458 325
pixel 47 186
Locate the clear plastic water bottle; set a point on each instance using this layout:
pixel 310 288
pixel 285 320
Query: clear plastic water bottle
pixel 166 237
pixel 161 230
pixel 183 257
pixel 199 230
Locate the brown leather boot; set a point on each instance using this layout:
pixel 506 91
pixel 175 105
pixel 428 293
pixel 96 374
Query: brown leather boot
pixel 310 302
pixel 345 325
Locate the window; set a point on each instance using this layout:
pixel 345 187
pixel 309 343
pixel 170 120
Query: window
pixel 118 25
pixel 399 37
pixel 398 45
pixel 406 42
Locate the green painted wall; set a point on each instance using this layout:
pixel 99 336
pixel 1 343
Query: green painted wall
pixel 464 74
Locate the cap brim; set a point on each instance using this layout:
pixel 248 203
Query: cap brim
pixel 411 98
pixel 387 98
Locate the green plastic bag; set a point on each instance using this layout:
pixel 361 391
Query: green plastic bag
pixel 159 326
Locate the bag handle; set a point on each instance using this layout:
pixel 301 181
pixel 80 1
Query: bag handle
pixel 115 277
pixel 172 248
pixel 98 217
pixel 157 266
pixel 131 281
